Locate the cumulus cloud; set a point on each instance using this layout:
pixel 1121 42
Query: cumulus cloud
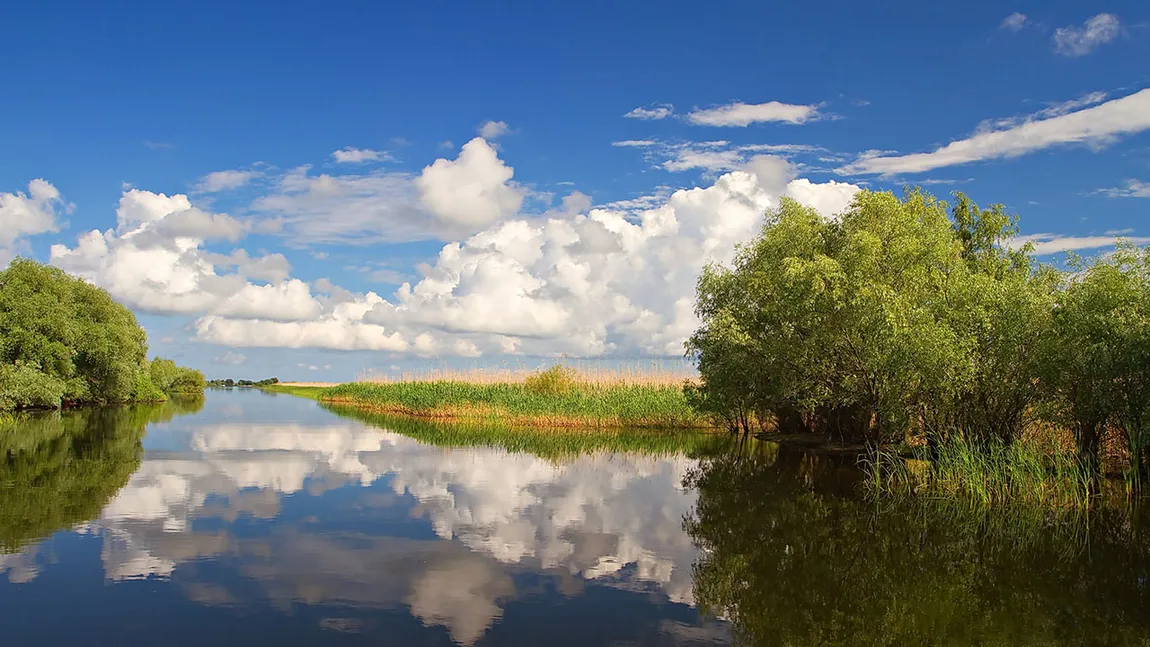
pixel 471 192
pixel 28 214
pixel 1132 189
pixel 491 130
pixel 660 111
pixel 350 155
pixel 617 279
pixel 225 180
pixel 155 262
pixel 1014 22
pixel 1098 125
pixel 744 114
pixel 1080 41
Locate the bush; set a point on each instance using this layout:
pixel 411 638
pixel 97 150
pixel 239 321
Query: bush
pixel 22 386
pixel 553 381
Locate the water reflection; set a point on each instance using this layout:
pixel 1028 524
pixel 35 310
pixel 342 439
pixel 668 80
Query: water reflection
pixel 260 501
pixel 790 560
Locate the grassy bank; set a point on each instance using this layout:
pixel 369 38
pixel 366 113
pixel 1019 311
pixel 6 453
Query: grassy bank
pixel 579 405
pixel 558 397
pixel 556 444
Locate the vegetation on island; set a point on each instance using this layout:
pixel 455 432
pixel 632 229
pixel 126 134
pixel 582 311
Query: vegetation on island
pixel 911 322
pixel 232 383
pixel 554 397
pixel 65 342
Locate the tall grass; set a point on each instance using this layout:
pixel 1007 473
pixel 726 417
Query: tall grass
pixel 556 397
pixel 555 444
pixel 988 474
pixel 657 372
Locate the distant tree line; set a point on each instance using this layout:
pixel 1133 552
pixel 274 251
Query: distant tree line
pixel 908 317
pixel 65 342
pixel 229 383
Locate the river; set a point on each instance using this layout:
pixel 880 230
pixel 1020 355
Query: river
pixel 255 518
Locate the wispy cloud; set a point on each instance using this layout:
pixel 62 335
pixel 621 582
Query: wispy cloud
pixel 1079 41
pixel 1014 22
pixel 1053 243
pixel 740 114
pixel 1098 125
pixel 225 180
pixel 635 143
pixel 657 111
pixel 158 145
pixel 350 155
pixel 1132 189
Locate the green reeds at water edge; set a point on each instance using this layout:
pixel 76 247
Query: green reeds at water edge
pixel 989 473
pixel 552 398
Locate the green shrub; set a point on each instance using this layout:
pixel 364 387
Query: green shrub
pixel 553 381
pixel 23 386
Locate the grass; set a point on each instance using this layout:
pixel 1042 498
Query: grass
pixel 652 373
pixel 311 392
pixel 553 443
pixel 556 397
pixel 993 474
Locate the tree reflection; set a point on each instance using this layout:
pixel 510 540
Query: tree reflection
pixel 792 558
pixel 61 468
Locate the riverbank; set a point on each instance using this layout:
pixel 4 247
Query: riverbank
pixel 555 398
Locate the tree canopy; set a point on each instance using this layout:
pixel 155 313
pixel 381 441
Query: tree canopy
pixel 64 341
pixel 910 316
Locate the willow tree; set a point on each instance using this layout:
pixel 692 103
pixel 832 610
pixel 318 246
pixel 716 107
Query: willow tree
pixel 63 340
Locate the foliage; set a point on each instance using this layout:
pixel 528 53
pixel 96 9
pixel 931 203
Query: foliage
pixel 229 382
pixel 911 318
pixel 556 380
pixel 64 342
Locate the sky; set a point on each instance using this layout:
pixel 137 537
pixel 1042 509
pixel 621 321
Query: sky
pixel 322 190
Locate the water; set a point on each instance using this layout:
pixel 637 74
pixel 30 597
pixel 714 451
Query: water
pixel 251 518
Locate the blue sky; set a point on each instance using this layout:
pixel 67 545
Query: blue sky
pixel 265 179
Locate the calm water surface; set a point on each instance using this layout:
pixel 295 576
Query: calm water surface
pixel 250 518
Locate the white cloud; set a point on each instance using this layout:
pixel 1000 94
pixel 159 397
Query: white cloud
pixel 1054 243
pixel 28 214
pixel 1098 125
pixel 744 114
pixel 350 155
pixel 471 192
pixel 660 111
pixel 491 130
pixel 686 159
pixel 225 180
pixel 231 358
pixel 634 143
pixel 588 281
pixel 1014 22
pixel 155 262
pixel 1133 189
pixel 1079 41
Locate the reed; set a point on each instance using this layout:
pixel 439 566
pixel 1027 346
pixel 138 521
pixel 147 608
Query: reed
pixel 656 372
pixel 553 398
pixel 558 444
pixel 988 474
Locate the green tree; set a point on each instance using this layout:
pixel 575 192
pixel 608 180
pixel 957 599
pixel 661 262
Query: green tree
pixel 63 340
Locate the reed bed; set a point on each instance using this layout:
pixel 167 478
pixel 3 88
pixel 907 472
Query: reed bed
pixel 559 396
pixel 988 474
pixel 558 444
pixel 657 372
